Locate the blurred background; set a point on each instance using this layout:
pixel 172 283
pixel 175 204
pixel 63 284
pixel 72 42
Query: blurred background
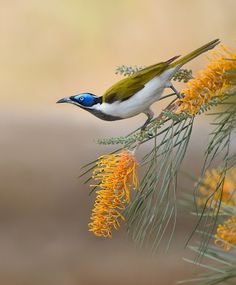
pixel 52 49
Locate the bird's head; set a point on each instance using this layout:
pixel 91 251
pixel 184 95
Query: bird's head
pixel 83 100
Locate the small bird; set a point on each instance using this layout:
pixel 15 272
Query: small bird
pixel 135 94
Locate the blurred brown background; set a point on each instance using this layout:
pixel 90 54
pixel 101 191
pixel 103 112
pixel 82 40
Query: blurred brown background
pixel 52 49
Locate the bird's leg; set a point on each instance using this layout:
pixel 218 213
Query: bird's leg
pixel 175 90
pixel 150 114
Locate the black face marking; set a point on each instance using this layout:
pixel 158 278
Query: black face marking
pixel 98 100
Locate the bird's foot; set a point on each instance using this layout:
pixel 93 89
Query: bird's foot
pixel 150 135
pixel 144 132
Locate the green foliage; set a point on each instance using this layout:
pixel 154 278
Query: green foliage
pixel 128 70
pixel 219 147
pixel 153 208
pixel 183 74
pixel 220 267
pixel 170 135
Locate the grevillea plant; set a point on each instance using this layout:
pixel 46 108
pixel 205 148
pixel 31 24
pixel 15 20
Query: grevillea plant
pixel 115 175
pixel 150 211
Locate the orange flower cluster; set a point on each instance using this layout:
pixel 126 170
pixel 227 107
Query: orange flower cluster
pixel 116 175
pixel 208 83
pixel 209 185
pixel 226 234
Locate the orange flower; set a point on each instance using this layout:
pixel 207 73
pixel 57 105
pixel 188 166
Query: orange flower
pixel 208 83
pixel 116 175
pixel 209 185
pixel 226 234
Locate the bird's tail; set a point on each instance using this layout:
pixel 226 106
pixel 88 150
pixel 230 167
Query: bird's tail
pixel 195 53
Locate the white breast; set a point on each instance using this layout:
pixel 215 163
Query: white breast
pixel 142 100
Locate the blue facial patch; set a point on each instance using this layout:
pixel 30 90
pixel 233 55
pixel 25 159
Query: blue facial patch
pixel 84 99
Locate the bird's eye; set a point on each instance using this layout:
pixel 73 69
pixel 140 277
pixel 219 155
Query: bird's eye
pixel 81 98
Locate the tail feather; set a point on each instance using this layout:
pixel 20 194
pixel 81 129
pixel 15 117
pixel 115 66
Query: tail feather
pixel 183 60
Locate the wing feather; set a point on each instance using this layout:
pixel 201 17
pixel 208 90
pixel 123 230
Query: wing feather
pixel 127 87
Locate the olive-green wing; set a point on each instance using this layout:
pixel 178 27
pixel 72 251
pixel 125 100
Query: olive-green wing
pixel 127 87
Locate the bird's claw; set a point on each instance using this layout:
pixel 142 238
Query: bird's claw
pixel 150 135
pixel 143 132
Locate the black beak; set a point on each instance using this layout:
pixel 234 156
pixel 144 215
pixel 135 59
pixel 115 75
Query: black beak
pixel 63 100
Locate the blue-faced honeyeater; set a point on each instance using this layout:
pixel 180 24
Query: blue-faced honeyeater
pixel 136 93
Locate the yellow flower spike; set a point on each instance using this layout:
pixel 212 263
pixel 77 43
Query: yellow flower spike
pixel 208 83
pixel 209 185
pixel 115 175
pixel 226 234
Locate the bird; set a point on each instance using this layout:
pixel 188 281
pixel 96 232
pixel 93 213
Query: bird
pixel 136 93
